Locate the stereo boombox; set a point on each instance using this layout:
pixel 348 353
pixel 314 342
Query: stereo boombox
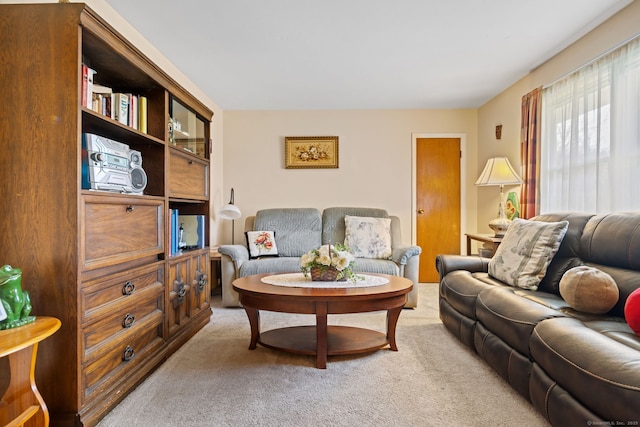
pixel 111 166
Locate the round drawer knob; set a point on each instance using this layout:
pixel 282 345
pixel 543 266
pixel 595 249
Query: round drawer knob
pixel 128 354
pixel 128 288
pixel 128 321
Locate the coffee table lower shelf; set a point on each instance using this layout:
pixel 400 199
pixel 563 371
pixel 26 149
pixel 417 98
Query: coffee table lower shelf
pixel 341 340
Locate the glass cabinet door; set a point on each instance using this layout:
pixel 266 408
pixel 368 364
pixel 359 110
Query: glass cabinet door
pixel 187 130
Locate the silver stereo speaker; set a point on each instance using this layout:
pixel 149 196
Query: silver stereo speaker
pixel 111 166
pixel 136 173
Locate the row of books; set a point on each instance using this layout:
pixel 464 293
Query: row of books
pixel 187 232
pixel 127 108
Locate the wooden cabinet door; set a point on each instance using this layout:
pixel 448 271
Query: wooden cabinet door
pixel 188 177
pixel 119 229
pixel 200 283
pixel 178 310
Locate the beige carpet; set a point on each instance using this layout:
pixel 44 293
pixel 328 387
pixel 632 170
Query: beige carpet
pixel 433 380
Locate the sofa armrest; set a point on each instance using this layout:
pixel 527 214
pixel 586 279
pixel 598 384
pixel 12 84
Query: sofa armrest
pixel 237 253
pixel 448 263
pixel 233 256
pixel 402 254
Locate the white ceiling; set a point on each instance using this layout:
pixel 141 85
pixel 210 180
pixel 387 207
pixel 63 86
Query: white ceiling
pixel 360 54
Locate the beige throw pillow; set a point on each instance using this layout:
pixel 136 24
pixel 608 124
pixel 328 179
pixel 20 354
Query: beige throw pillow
pixel 368 237
pixel 526 250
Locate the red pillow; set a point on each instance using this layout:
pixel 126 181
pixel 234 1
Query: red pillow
pixel 632 311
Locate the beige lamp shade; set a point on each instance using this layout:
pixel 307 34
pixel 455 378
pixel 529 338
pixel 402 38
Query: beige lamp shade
pixel 498 171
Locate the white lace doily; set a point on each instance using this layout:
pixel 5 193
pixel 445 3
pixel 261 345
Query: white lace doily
pixel 297 280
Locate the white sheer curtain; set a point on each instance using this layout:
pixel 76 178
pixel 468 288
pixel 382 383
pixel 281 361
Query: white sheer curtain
pixel 590 144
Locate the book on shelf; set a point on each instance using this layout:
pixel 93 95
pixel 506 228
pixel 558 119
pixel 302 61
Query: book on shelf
pixel 87 85
pixel 101 99
pixel 127 108
pixel 131 110
pixel 121 106
pixel 173 235
pixel 142 115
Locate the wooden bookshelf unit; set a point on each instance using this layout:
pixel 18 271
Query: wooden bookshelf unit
pixel 100 261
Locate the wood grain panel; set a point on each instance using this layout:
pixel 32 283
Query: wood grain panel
pixel 118 229
pixel 188 177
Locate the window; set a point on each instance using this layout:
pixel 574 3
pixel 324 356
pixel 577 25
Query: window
pixel 590 145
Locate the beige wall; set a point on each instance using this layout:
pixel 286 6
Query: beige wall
pixel 375 158
pixel 505 108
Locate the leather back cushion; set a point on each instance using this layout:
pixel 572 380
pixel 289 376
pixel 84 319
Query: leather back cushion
pixel 611 243
pixel 568 254
pixel 612 239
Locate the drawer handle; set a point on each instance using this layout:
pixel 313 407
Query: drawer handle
pixel 128 288
pixel 190 162
pixel 202 281
pixel 128 321
pixel 128 354
pixel 130 208
pixel 182 291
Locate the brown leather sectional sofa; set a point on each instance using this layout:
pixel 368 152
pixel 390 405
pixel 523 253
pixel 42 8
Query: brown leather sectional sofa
pixel 577 369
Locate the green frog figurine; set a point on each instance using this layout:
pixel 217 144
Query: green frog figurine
pixel 15 304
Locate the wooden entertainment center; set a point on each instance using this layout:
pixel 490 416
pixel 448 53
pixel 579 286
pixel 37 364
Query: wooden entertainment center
pixel 100 261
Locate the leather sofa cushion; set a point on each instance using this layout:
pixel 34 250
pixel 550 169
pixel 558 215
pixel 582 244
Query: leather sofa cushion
pixel 593 362
pixel 511 317
pixel 544 298
pixel 460 289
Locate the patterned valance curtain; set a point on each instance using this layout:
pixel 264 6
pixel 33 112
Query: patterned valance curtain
pixel 530 152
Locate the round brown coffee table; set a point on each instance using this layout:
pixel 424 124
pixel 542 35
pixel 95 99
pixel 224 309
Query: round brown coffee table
pixel 322 340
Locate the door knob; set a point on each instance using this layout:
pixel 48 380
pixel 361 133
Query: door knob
pixel 420 211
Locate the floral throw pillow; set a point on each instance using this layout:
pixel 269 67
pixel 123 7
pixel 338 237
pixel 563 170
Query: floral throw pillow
pixel 368 237
pixel 526 251
pixel 261 243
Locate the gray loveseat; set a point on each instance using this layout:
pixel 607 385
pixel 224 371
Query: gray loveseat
pixel 299 230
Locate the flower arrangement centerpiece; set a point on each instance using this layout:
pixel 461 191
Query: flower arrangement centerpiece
pixel 329 263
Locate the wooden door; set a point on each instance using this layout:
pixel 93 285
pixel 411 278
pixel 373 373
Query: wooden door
pixel 437 201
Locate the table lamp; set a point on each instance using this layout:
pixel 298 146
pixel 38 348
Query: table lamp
pixel 498 171
pixel 232 212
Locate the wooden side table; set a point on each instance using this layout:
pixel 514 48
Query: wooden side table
pixel 216 271
pixel 485 238
pixel 22 401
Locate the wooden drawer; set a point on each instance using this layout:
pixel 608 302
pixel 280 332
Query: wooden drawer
pixel 130 351
pixel 188 177
pixel 98 295
pixel 121 318
pixel 118 229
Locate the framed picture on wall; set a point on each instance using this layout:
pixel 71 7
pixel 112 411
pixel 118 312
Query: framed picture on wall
pixel 311 152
